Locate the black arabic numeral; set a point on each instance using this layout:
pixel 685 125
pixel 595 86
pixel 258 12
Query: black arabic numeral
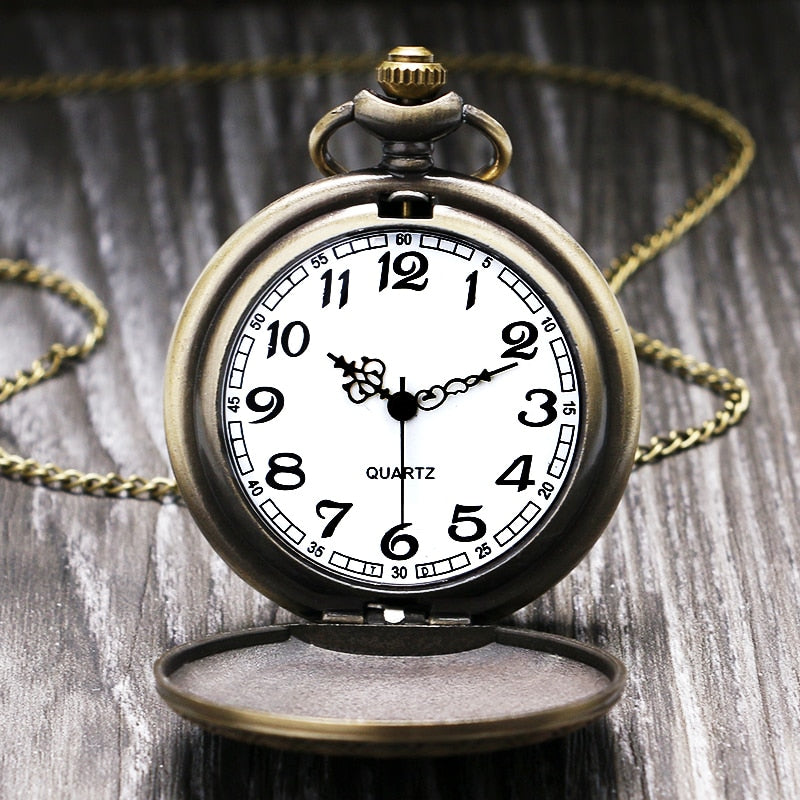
pixel 285 464
pixel 549 324
pixel 316 550
pixel 289 343
pixel 384 261
pixel 270 407
pixel 409 266
pixel 272 344
pixel 548 405
pixel 344 289
pixel 464 514
pixel 472 283
pixel 341 510
pixel 545 490
pixel 520 335
pixel 524 464
pixel 327 281
pixel 394 537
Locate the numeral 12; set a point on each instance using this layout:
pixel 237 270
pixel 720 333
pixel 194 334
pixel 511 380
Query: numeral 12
pixel 409 266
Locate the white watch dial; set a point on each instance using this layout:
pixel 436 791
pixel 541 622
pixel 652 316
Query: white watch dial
pixel 401 407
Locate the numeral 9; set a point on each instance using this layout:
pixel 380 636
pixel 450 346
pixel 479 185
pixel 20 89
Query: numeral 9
pixel 273 405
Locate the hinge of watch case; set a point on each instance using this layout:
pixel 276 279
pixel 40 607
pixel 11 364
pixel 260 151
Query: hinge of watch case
pixel 405 204
pixel 448 619
pixel 343 617
pixel 386 615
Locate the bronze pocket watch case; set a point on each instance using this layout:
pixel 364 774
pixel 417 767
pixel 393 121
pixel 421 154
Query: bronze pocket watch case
pixel 402 403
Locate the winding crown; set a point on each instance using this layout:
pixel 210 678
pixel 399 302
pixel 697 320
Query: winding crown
pixel 410 73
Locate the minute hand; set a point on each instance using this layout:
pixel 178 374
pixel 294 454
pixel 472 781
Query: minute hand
pixel 428 399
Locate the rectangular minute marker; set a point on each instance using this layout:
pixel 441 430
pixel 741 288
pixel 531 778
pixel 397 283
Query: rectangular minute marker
pixel 443 566
pixel 517 525
pixel 563 446
pixel 565 373
pixel 356 565
pixel 363 243
pixel 431 242
pixel 240 362
pixel 284 287
pixel 236 433
pixel 282 523
pixel 521 290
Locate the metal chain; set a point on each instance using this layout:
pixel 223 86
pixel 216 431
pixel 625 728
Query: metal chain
pixel 741 151
pixel 49 365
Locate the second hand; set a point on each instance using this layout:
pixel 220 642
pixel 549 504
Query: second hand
pixel 402 462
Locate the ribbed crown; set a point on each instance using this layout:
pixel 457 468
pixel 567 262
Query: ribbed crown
pixel 410 73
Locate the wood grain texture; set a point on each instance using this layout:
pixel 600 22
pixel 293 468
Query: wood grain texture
pixel 696 583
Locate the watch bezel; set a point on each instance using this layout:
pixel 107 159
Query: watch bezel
pixel 607 362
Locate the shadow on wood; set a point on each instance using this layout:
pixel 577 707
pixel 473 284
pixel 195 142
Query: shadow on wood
pixel 580 765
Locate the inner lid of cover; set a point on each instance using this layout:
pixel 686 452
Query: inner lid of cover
pixel 385 690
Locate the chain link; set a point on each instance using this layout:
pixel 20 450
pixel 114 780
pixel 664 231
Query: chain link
pixel 720 381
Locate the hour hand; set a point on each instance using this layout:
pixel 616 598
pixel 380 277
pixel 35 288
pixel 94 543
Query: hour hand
pixel 428 399
pixel 365 380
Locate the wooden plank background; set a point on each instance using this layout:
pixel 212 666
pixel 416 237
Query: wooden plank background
pixel 696 583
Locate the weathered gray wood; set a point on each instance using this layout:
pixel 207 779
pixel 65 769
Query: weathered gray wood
pixel 696 583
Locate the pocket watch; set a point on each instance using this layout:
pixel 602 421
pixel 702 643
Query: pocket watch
pixel 402 403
